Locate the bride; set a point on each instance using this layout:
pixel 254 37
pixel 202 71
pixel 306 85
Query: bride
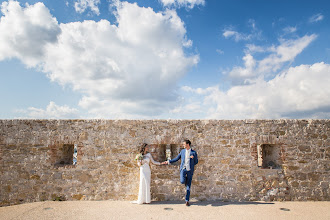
pixel 145 175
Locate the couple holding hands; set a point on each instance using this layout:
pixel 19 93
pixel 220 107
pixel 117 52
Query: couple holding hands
pixel 188 160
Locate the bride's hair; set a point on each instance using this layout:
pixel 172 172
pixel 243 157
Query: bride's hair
pixel 142 148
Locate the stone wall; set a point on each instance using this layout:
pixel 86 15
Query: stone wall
pixel 31 154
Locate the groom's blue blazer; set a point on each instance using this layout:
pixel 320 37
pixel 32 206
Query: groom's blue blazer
pixel 182 155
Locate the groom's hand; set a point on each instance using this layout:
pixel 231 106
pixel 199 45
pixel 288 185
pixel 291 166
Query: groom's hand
pixel 165 162
pixel 192 157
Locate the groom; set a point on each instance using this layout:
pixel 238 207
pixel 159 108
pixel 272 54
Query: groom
pixel 188 161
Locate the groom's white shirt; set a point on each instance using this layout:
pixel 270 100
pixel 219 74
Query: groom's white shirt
pixel 187 160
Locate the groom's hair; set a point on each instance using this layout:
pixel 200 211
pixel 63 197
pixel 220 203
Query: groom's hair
pixel 187 142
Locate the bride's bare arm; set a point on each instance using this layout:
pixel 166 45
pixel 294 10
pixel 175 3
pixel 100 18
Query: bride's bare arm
pixel 153 161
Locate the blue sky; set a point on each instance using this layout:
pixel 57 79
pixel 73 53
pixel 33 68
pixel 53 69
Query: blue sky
pixel 165 59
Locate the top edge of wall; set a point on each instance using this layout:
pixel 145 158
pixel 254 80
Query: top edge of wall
pixel 173 120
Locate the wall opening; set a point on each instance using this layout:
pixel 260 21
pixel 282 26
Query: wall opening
pixel 175 150
pixel 269 156
pixel 168 152
pixel 172 150
pixel 75 154
pixel 65 154
pixel 164 152
pixel 158 152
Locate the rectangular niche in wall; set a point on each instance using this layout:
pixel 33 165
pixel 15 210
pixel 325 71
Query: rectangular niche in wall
pixel 158 151
pixel 65 154
pixel 269 156
pixel 175 150
pixel 168 152
pixel 75 154
pixel 172 150
pixel 163 152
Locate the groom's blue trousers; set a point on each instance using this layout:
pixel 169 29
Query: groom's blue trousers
pixel 185 178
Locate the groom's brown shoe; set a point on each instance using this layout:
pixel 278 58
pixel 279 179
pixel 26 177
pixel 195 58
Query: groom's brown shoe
pixel 187 203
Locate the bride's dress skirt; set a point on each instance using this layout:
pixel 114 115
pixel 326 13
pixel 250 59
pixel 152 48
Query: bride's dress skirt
pixel 144 189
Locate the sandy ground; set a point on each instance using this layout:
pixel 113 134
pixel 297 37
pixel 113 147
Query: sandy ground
pixel 167 210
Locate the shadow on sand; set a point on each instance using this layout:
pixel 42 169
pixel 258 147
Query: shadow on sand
pixel 209 203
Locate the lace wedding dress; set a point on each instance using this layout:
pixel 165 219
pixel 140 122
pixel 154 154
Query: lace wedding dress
pixel 145 177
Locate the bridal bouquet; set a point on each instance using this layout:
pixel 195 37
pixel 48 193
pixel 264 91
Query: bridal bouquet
pixel 139 157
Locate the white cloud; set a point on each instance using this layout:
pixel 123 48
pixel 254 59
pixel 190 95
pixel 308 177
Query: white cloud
pixel 188 109
pixel 299 92
pixel 251 48
pixel 290 30
pixel 246 72
pixel 126 70
pixel 183 3
pixel 316 18
pixel 231 33
pixel 198 91
pixel 25 32
pixel 285 52
pixel 52 111
pixel 236 35
pixel 82 5
pixel 270 64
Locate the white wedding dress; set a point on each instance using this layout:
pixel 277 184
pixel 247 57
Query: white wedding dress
pixel 145 178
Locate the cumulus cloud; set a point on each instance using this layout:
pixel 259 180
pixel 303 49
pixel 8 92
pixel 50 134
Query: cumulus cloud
pixel 246 72
pixel 82 5
pixel 193 107
pixel 52 111
pixel 183 3
pixel 26 32
pixel 265 87
pixel 285 52
pixel 299 92
pixel 125 70
pixel 316 18
pixel 277 56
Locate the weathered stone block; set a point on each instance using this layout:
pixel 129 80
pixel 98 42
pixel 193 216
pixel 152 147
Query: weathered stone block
pixel 225 161
pixel 293 167
pixel 305 148
pixel 35 177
